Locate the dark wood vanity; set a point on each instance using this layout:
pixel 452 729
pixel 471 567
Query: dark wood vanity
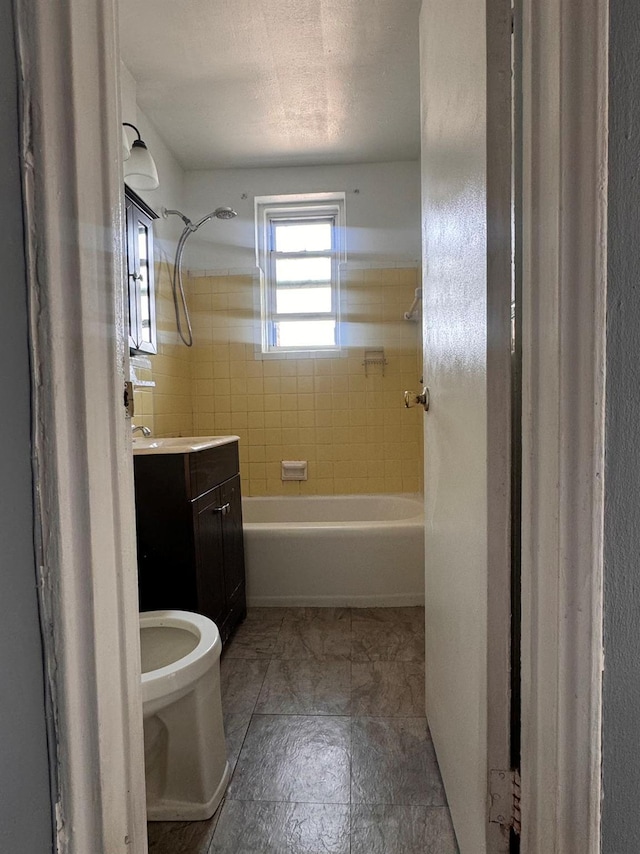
pixel 189 532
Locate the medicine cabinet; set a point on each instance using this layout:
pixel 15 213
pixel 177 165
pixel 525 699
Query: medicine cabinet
pixel 140 279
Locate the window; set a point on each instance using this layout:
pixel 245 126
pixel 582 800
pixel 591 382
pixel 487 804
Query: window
pixel 299 248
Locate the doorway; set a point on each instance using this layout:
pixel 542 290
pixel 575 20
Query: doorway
pixel 105 705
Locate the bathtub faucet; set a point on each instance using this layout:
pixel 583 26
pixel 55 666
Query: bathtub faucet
pixel 144 430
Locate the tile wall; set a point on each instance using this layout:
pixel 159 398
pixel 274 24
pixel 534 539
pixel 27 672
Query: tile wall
pixel 352 428
pixel 166 408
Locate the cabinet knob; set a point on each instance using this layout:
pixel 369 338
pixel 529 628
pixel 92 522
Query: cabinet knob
pixel 224 509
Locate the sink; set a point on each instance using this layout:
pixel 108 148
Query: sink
pixel 179 444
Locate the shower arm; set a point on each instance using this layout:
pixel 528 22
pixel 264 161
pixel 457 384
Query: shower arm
pixel 167 213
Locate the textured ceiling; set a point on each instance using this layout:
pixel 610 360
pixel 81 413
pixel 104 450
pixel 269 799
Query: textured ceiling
pixel 238 83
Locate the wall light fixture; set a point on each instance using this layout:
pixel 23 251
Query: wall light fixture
pixel 140 171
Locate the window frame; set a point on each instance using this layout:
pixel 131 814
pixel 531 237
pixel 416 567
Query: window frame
pixel 292 210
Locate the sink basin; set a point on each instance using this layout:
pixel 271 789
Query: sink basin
pixel 179 444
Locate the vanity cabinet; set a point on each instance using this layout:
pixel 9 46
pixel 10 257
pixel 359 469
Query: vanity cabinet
pixel 189 533
pixel 140 274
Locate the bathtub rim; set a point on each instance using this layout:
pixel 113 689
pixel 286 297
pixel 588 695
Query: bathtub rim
pixel 359 524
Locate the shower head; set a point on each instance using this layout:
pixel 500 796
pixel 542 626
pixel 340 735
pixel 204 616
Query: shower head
pixel 224 213
pixel 218 213
pixel 176 279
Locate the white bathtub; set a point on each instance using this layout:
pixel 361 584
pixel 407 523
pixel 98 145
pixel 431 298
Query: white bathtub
pixel 352 550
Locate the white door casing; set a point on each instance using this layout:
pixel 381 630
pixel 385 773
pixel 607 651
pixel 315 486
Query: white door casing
pixel 564 285
pixel 82 457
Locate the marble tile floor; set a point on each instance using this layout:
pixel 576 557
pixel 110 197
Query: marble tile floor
pixel 326 733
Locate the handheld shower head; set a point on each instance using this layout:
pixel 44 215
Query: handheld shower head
pixel 176 278
pixel 224 213
pixel 218 213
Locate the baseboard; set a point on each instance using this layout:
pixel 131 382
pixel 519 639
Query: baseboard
pixel 387 600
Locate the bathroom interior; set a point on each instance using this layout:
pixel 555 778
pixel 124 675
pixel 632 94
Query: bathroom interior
pixel 296 467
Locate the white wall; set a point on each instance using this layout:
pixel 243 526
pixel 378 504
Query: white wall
pixel 383 201
pixel 170 193
pixel 383 217
pixel 454 221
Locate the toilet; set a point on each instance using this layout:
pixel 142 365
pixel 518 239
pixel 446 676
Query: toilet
pixel 186 767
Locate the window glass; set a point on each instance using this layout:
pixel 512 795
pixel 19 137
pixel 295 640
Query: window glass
pixel 303 269
pixel 307 237
pixel 303 300
pixel 305 333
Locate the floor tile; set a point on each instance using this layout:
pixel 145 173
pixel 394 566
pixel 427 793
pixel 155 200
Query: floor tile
pixel 380 636
pixel 393 762
pixel 236 725
pixel 300 760
pixel 181 837
pixel 282 828
pixel 321 614
pixel 321 634
pixel 412 615
pixel 388 688
pixel 267 615
pixel 253 639
pixel 294 758
pixel 306 688
pixel 240 683
pixel 401 830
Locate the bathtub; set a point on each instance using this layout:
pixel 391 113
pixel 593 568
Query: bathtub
pixel 352 550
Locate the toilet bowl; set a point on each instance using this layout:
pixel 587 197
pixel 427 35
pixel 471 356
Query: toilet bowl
pixel 186 768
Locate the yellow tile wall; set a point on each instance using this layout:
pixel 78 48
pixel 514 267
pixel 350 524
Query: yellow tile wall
pixel 167 408
pixel 352 429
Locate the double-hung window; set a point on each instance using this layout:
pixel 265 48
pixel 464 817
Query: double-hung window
pixel 300 289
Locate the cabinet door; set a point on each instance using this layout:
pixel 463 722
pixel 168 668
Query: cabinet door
pixel 232 536
pixel 140 279
pixel 207 523
pixel 132 273
pixel 145 285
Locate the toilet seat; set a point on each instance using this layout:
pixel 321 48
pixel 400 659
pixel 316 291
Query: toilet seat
pixel 164 684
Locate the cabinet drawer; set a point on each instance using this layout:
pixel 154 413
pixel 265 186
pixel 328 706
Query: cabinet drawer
pixel 211 467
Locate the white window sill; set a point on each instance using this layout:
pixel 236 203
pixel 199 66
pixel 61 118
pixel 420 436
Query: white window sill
pixel 324 353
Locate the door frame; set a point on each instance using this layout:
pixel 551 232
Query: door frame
pixel 564 181
pixel 83 472
pixel 82 459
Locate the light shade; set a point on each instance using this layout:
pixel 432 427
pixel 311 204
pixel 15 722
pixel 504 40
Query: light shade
pixel 140 171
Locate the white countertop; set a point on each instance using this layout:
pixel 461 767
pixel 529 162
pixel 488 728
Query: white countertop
pixel 179 444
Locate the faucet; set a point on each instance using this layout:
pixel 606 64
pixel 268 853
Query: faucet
pixel 144 430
